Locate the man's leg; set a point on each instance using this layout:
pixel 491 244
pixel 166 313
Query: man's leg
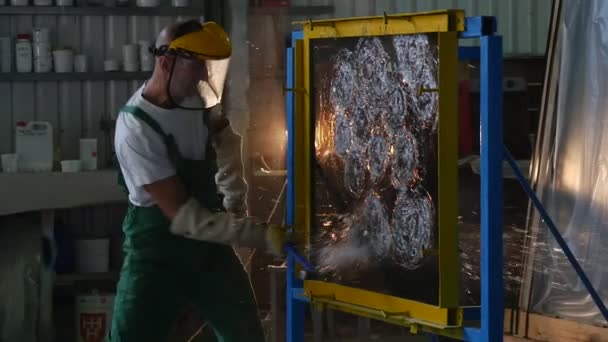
pixel 226 298
pixel 147 299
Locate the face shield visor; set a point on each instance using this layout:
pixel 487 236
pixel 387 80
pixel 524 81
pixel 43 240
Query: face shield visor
pixel 203 57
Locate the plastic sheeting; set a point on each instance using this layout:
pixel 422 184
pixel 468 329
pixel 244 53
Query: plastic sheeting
pixel 571 166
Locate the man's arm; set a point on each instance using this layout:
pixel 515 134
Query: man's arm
pixel 169 194
pixel 228 148
pixel 191 220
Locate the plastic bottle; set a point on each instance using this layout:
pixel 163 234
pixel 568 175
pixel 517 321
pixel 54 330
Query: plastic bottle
pixel 23 52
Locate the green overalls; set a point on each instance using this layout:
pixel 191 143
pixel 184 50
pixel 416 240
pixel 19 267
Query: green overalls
pixel 162 271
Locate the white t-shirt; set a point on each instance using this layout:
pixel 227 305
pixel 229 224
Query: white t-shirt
pixel 142 153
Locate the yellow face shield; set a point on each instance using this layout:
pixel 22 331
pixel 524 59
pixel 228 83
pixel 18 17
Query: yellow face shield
pixel 210 43
pixel 212 46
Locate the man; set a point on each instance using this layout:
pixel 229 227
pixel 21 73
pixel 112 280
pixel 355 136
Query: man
pixel 166 145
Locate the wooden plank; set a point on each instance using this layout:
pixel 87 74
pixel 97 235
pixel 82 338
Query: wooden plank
pixel 544 328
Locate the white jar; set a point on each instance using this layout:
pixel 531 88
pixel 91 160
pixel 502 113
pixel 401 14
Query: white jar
pixel 23 53
pixel 41 35
pixel 43 64
pixel 63 60
pixel 41 50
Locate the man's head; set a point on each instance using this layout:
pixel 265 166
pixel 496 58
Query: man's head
pixel 182 50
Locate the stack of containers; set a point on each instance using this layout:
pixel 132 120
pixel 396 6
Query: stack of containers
pixel 146 58
pixel 130 56
pixel 43 60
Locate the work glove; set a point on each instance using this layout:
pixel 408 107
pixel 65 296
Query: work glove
pixel 193 221
pixel 230 176
pixel 279 236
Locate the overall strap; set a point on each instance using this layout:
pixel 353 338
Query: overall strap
pixel 145 117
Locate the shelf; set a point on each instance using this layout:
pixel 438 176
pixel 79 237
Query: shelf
pixel 101 11
pixel 292 10
pixel 23 192
pixel 70 279
pixel 75 76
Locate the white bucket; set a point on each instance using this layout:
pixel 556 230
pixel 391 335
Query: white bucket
pixel 93 317
pixel 93 256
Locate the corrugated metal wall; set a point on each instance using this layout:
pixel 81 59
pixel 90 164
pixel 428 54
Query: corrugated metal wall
pixel 74 108
pixel 524 24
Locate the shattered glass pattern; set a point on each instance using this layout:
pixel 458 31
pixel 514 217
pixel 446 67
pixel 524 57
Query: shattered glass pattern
pixel 375 176
pixel 378 157
pixel 404 161
pixel 417 67
pixel 355 173
pixel 343 82
pixel 412 223
pixel 361 125
pixel 373 67
pixel 375 229
pixel 395 115
pixel 343 137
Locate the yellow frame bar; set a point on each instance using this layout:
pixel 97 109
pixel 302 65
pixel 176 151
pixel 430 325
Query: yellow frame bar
pixel 447 177
pixel 446 24
pixel 386 306
pixel 405 23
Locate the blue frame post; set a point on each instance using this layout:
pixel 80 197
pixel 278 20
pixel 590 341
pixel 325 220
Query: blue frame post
pixel 492 306
pixel 295 306
pixel 489 53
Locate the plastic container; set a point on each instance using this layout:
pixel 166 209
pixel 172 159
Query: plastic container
pixel 81 63
pixel 63 60
pixel 23 53
pixel 43 64
pixel 71 166
pixel 111 65
pixel 10 163
pixel 41 49
pixel 130 57
pixel 34 145
pixel 93 316
pixel 88 154
pixel 41 35
pixel 146 59
pixel 92 255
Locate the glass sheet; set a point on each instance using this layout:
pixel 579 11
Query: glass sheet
pixel 375 163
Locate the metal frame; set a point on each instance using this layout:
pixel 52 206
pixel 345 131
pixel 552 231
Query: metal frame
pixel 490 54
pixel 445 25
